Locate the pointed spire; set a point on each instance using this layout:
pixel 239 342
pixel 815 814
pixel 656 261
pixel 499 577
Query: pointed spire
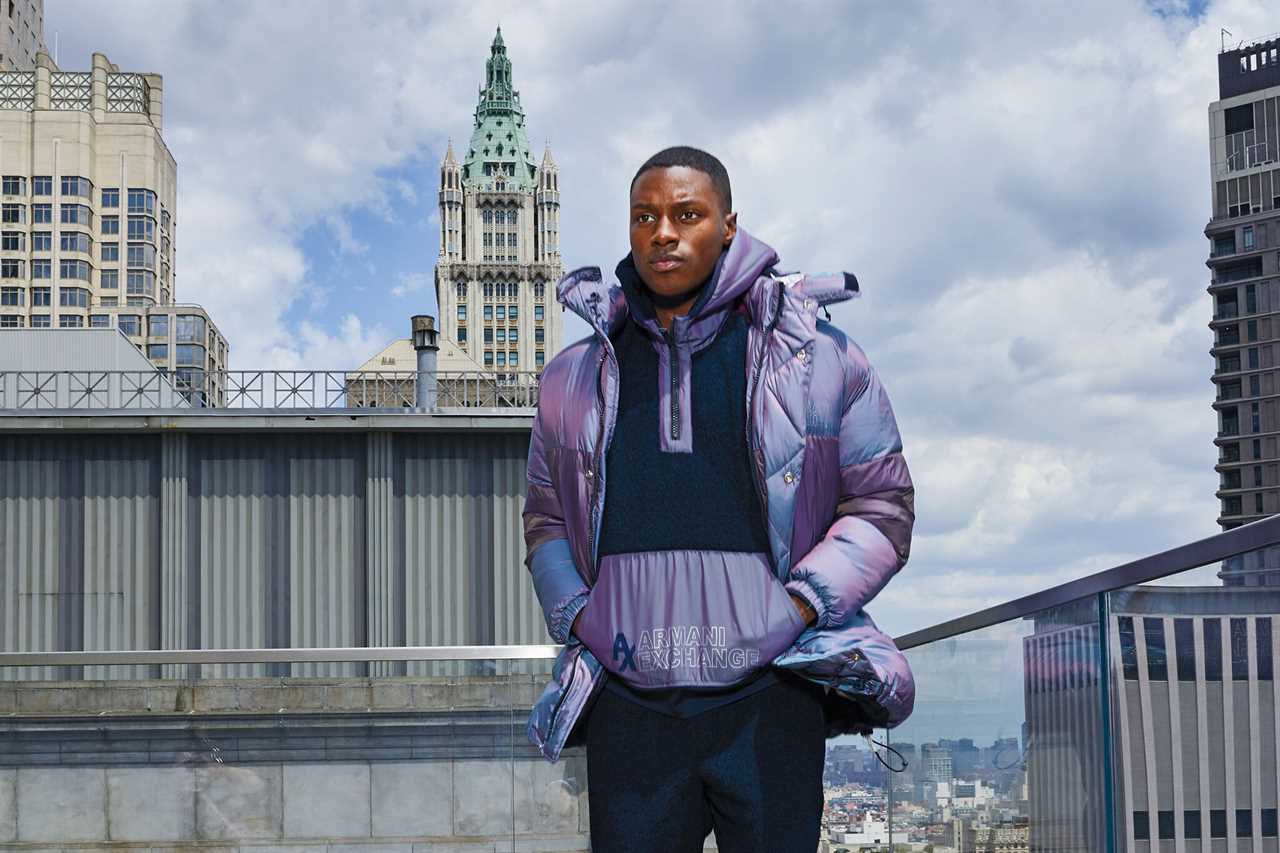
pixel 548 162
pixel 497 40
pixel 449 159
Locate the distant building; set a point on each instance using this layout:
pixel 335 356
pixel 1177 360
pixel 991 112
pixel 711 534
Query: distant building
pixel 87 215
pixel 499 254
pixel 1194 714
pixel 1244 263
pixel 23 39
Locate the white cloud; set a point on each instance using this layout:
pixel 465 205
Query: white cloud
pixel 1019 187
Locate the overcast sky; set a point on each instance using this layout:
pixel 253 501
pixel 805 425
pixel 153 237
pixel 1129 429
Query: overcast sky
pixel 1020 188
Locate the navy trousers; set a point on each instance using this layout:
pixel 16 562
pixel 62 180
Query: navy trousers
pixel 751 770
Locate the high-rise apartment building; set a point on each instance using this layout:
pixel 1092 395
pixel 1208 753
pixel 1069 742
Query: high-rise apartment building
pixel 499 254
pixel 1244 264
pixel 87 214
pixel 21 34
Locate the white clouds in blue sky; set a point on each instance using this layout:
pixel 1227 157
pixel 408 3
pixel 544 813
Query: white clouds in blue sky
pixel 1019 187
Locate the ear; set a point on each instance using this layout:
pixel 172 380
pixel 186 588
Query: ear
pixel 730 227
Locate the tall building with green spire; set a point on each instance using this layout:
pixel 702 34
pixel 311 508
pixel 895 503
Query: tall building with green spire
pixel 499 255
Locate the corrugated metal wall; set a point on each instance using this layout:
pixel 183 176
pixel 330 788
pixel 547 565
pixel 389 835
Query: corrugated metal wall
pixel 218 540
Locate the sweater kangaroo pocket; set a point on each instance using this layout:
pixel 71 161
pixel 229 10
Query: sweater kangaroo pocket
pixel 687 618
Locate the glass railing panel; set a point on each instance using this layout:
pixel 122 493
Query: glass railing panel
pixel 1004 750
pixel 433 762
pixel 1194 703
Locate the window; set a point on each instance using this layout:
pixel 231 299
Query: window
pixel 42 268
pixel 14 185
pixel 13 213
pixel 190 354
pixel 70 321
pixel 109 279
pixel 462 334
pixel 1257 503
pixel 73 297
pixel 76 185
pixel 12 295
pixel 1253 358
pixel 1157 665
pixel 142 201
pixel 75 241
pixel 13 241
pixel 511 310
pixel 10 321
pixel 502 359
pixel 141 283
pixel 1268 823
pixel 537 313
pixel 1191 823
pixel 511 335
pixel 76 214
pixel 142 228
pixel 1255 388
pixel 42 241
pixel 109 301
pixel 513 358
pixel 41 296
pixel 1248 237
pixel 462 312
pixel 488 336
pixel 511 217
pixel 502 312
pixel 1217 823
pixel 1255 418
pixel 110 224
pixel 99 321
pixel 511 239
pixel 40 321
pixel 1164 824
pixel 486 239
pixel 111 198
pixel 1141 825
pixel 488 312
pixel 130 324
pixel 12 268
pixel 1128 649
pixel 42 214
pixel 158 351
pixel 488 358
pixel 1239 648
pixel 78 270
pixel 42 185
pixel 1244 823
pixel 1213 657
pixel 142 255
pixel 189 328
pixel 486 216
pixel 539 358
pixel 110 252
pixel 158 325
pixel 1262 628
pixel 1257 448
pixel 1251 330
pixel 462 290
pixel 1251 299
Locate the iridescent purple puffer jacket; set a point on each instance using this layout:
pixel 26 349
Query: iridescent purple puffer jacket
pixel 839 502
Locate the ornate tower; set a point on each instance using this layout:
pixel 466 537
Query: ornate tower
pixel 499 256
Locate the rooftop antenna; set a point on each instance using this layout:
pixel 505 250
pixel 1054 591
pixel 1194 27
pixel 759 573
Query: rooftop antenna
pixel 1223 36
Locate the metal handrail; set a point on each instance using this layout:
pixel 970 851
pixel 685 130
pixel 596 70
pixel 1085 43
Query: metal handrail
pixel 305 655
pixel 1211 549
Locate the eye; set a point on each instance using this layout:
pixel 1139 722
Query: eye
pixel 640 216
pixel 689 213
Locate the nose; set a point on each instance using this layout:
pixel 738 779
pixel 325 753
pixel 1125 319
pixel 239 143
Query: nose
pixel 664 232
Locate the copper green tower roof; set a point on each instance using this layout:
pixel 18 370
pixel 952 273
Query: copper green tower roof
pixel 499 147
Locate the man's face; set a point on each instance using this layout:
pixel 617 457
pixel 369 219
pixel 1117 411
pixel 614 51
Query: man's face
pixel 678 228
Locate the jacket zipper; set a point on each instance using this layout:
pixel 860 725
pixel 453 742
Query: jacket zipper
pixel 673 356
pixel 555 712
pixel 596 474
pixel 756 466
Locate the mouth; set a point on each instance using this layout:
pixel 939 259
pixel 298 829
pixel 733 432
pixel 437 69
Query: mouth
pixel 665 263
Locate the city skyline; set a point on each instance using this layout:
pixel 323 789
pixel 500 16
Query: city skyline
pixel 1049 438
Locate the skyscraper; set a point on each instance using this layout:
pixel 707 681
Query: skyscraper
pixel 88 214
pixel 23 39
pixel 1244 264
pixel 499 253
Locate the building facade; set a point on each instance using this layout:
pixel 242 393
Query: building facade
pixel 23 39
pixel 499 254
pixel 1244 264
pixel 87 213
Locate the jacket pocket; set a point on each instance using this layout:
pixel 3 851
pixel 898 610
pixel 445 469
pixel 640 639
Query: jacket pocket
pixel 688 618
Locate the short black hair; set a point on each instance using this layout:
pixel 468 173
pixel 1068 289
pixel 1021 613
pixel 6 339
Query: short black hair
pixel 693 158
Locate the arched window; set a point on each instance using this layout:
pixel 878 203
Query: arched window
pixel 499 217
pixel 462 290
pixel 487 215
pixel 488 291
pixel 539 291
pixel 511 217
pixel 502 291
pixel 514 290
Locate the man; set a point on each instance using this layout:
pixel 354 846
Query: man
pixel 710 595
